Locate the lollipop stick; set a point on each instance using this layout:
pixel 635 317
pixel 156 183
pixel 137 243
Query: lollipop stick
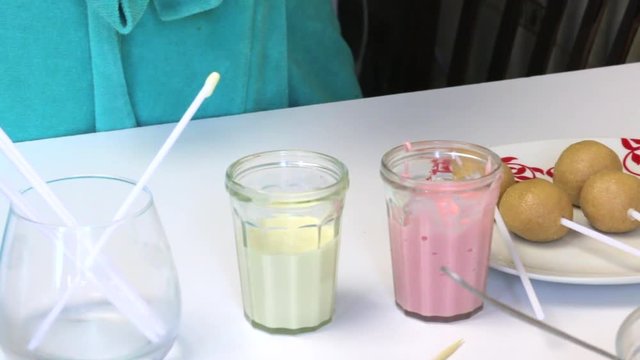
pixel 600 237
pixel 407 148
pixel 633 213
pixel 524 278
pixel 445 353
pixel 206 91
pixel 16 158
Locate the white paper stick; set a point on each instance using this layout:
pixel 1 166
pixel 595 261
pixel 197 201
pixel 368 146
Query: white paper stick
pixel 17 201
pixel 600 237
pixel 522 273
pixel 634 214
pixel 206 91
pixel 16 158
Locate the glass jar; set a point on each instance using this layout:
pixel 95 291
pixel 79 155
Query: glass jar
pixel 628 337
pixel 287 207
pixel 440 198
pixel 61 298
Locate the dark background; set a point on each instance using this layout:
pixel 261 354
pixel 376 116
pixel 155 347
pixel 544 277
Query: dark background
pixel 409 45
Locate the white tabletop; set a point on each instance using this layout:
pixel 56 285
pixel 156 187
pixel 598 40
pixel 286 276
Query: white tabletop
pixel 194 206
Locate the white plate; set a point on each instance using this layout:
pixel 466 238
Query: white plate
pixel 575 258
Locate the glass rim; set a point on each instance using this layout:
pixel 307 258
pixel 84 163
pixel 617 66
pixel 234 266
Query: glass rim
pixel 129 215
pixel 419 146
pixel 340 184
pixel 629 320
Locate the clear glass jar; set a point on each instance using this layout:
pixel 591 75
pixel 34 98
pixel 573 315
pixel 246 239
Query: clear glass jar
pixel 628 337
pixel 287 207
pixel 56 303
pixel 440 198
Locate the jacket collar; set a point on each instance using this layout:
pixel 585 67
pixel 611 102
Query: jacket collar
pixel 123 15
pixel 177 9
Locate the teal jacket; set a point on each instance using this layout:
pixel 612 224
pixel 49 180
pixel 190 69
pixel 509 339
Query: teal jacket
pixel 71 66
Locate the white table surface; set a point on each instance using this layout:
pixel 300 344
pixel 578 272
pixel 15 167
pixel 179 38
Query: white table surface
pixel 194 206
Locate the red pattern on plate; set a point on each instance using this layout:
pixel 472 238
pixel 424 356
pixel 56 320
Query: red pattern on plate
pixel 631 160
pixel 521 171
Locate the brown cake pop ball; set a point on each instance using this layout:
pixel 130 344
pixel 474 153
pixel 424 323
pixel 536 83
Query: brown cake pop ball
pixel 532 209
pixel 466 168
pixel 578 162
pixel 507 179
pixel 606 198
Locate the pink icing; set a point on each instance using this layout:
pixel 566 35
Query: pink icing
pixel 440 229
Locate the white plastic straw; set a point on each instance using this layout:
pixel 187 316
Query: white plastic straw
pixel 12 153
pixel 600 237
pixel 206 91
pixel 633 213
pixel 17 201
pixel 522 273
pixel 117 296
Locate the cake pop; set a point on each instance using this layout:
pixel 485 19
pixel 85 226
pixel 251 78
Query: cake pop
pixel 606 198
pixel 578 162
pixel 533 209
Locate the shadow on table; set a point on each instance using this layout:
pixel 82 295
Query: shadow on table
pixel 354 306
pixel 564 294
